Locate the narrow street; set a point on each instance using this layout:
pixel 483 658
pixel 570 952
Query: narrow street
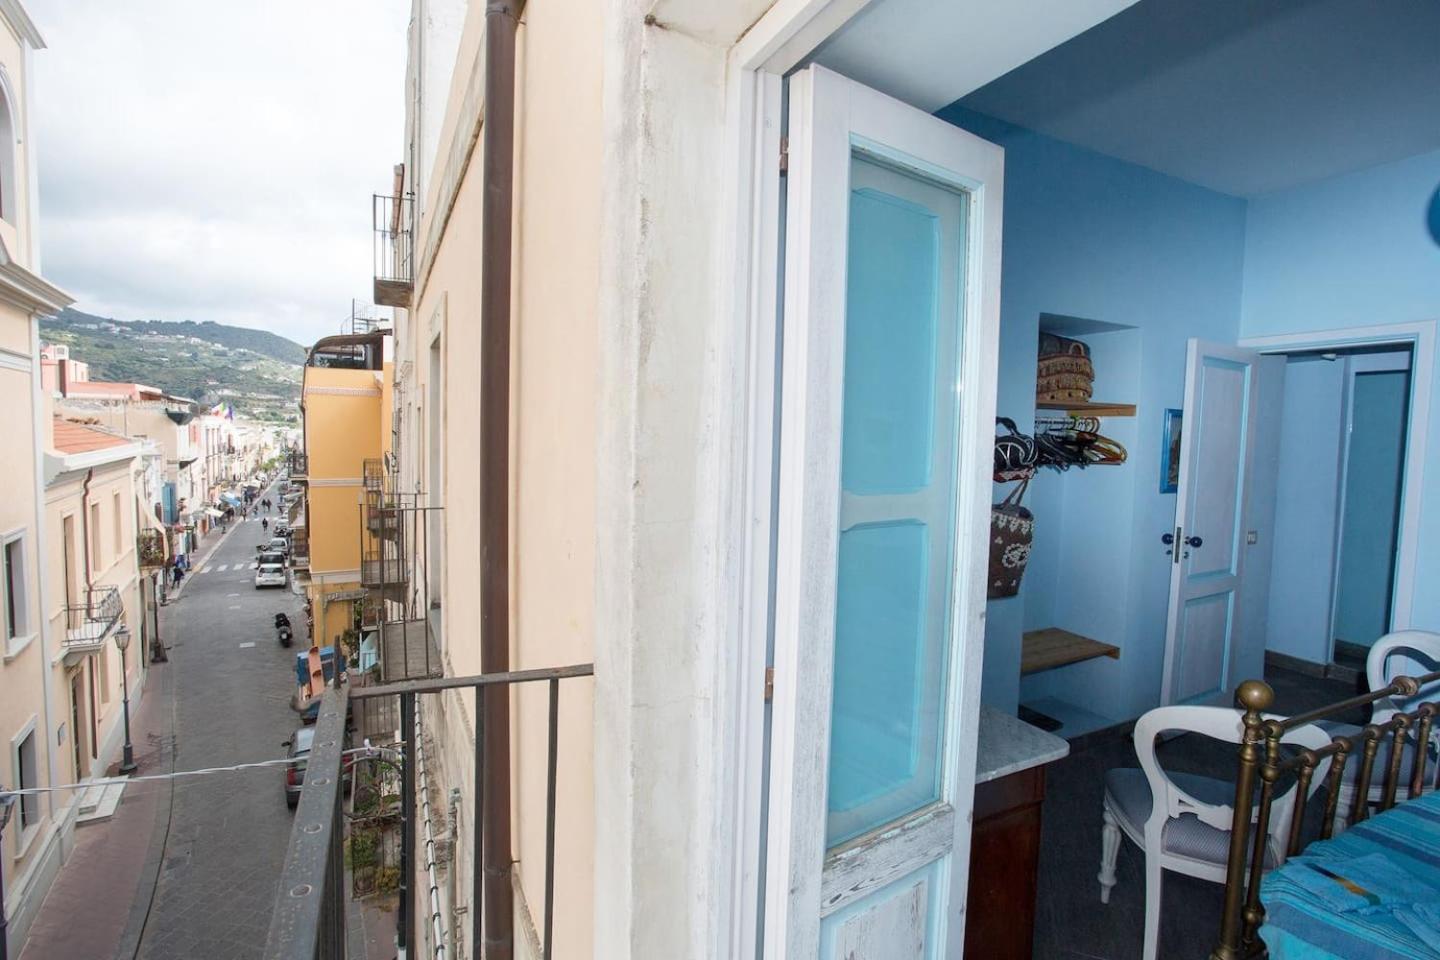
pixel 204 883
pixel 224 835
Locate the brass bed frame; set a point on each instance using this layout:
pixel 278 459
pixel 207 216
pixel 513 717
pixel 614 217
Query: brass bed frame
pixel 1261 759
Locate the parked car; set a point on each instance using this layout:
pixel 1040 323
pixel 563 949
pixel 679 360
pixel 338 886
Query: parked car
pixel 278 545
pixel 267 555
pixel 270 575
pixel 298 754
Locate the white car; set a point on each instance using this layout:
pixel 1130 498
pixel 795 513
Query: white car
pixel 270 575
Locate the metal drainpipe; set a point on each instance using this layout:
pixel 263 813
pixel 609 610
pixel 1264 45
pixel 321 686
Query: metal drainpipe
pixel 85 533
pixel 451 875
pixel 498 186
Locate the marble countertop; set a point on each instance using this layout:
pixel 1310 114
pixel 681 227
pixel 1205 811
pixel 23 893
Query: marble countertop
pixel 1009 745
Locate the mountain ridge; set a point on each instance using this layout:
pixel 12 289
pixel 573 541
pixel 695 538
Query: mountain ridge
pixel 256 371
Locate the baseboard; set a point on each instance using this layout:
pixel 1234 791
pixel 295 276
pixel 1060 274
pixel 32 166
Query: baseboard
pixel 1286 662
pixel 1321 671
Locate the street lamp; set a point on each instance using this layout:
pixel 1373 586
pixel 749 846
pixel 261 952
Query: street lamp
pixel 122 641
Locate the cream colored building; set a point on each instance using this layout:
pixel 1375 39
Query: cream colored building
pixel 37 837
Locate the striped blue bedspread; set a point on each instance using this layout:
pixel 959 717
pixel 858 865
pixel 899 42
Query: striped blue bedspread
pixel 1372 893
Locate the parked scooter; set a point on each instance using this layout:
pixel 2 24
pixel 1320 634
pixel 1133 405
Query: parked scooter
pixel 282 629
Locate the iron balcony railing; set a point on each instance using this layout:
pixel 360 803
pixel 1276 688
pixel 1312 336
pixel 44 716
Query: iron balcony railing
pixel 90 623
pixel 299 465
pixel 308 922
pixel 392 222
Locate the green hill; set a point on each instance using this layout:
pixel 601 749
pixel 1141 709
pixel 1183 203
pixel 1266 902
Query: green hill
pixel 256 371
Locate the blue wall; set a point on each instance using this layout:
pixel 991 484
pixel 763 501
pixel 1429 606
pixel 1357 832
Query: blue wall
pixel 1307 509
pixel 1379 408
pixel 1090 236
pixel 1355 250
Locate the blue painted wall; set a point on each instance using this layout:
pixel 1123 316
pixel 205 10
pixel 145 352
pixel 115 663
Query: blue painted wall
pixel 1355 250
pixel 1379 408
pixel 1090 236
pixel 1307 509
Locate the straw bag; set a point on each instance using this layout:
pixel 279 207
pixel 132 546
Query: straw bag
pixel 1012 528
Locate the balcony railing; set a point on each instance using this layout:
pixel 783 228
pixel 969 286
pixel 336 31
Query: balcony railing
pixel 298 465
pixel 90 623
pixel 299 548
pixel 309 917
pixel 392 220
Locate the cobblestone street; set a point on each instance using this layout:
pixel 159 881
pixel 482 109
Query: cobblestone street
pixel 204 882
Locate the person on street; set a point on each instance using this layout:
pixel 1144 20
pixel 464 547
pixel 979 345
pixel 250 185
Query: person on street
pixel 265 523
pixel 178 573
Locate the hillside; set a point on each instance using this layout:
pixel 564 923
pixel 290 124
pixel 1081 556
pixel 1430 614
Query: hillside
pixel 256 371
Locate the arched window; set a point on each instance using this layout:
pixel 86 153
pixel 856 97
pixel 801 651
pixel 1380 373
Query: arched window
pixel 9 152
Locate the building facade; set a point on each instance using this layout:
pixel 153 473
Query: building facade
pixel 36 838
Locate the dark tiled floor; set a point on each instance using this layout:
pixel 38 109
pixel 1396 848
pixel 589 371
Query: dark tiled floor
pixel 1071 922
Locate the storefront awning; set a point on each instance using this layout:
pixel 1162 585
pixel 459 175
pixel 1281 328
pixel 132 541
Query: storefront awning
pixel 212 512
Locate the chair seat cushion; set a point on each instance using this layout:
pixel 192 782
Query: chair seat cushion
pixel 1127 793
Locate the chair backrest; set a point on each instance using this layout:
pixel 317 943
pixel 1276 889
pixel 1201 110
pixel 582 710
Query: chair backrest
pixel 1396 655
pixel 1224 724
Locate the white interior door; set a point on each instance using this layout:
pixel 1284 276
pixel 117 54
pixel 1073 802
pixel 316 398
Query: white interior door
pixel 1204 642
pixel 891 322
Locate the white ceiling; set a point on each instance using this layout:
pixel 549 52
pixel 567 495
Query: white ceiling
pixel 1241 96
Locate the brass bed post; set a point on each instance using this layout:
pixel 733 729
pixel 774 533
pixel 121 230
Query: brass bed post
pixel 1254 697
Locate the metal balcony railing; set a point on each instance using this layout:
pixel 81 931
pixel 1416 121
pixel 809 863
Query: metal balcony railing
pixel 90 623
pixel 393 224
pixel 298 465
pixel 308 922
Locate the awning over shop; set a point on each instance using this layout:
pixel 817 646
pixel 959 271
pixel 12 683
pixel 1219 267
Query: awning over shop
pixel 212 512
pixel 232 500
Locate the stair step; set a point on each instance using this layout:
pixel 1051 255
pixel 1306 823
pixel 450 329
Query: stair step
pixel 99 802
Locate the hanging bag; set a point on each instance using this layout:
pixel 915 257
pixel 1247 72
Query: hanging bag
pixel 1012 529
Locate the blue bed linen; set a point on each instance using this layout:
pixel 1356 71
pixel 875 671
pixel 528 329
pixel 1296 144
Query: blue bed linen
pixel 1372 893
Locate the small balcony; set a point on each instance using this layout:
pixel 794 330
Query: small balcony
pixel 384 576
pixel 393 223
pixel 408 651
pixel 298 465
pixel 89 624
pixel 299 548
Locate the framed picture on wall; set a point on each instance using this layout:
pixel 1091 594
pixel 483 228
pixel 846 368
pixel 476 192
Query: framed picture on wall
pixel 1170 451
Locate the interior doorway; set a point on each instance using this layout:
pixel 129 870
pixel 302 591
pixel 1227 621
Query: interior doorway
pixel 1344 438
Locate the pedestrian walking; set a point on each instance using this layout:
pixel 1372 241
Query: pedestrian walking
pixel 177 573
pixel 265 524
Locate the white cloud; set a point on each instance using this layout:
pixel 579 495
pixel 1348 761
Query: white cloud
pixel 214 159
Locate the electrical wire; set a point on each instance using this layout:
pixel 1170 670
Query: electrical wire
pixel 174 775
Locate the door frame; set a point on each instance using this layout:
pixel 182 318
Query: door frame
pixel 1419 336
pixel 778 42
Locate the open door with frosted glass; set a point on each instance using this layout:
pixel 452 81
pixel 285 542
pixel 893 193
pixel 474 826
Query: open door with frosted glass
pixel 891 316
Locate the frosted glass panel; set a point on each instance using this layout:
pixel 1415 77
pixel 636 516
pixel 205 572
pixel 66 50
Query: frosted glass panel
pixel 896 526
pixel 890 305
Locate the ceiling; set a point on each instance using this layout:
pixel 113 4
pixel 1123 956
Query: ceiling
pixel 1242 96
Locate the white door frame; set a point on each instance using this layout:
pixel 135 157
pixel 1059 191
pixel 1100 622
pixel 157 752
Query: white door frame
pixel 1420 337
pixel 776 44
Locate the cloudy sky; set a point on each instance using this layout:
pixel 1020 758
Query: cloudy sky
pixel 214 159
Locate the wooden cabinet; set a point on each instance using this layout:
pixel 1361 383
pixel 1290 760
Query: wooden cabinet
pixel 1004 858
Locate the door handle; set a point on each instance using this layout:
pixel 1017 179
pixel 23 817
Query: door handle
pixel 1168 539
pixel 1195 542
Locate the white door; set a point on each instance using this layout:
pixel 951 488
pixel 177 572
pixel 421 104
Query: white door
pixel 1204 643
pixel 891 322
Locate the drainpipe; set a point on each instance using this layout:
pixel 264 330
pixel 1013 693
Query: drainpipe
pixel 498 186
pixel 85 533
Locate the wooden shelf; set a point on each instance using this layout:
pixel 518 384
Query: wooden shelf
pixel 1052 647
pixel 1088 408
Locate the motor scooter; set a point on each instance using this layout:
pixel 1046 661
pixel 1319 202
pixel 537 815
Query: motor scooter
pixel 282 629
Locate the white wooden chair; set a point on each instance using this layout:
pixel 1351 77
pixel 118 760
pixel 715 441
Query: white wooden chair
pixel 1404 652
pixel 1188 829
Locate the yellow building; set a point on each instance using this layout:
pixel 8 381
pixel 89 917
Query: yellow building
pixel 345 404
